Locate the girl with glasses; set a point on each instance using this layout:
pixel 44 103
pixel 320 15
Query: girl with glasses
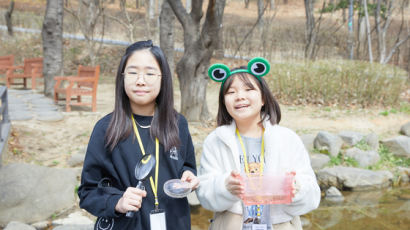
pixel 144 121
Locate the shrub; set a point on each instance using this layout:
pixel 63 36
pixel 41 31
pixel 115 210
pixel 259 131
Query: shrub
pixel 338 82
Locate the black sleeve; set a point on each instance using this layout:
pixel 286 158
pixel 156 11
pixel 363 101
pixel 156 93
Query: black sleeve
pixel 186 144
pixel 96 192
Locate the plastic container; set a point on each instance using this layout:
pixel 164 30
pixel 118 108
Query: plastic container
pixel 176 188
pixel 267 189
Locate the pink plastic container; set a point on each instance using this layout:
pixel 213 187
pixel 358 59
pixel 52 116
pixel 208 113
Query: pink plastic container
pixel 267 189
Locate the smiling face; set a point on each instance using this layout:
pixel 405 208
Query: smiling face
pixel 243 99
pixel 142 81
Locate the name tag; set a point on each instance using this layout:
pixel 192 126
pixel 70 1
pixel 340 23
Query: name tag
pixel 259 227
pixel 157 220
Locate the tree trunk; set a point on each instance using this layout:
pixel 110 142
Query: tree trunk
pixel 369 37
pixel 310 35
pixel 166 37
pixel 7 16
pixel 260 12
pixel 151 9
pixel 361 32
pixel 52 35
pixel 246 3
pixel 199 44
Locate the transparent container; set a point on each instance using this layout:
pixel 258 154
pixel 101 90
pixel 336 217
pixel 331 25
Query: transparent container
pixel 267 189
pixel 176 188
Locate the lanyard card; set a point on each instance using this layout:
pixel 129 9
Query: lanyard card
pixel 259 227
pixel 157 220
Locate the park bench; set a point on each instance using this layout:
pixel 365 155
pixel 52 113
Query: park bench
pixel 5 63
pixel 31 69
pixel 83 84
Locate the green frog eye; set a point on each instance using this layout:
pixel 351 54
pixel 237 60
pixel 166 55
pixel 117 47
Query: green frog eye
pixel 259 67
pixel 219 72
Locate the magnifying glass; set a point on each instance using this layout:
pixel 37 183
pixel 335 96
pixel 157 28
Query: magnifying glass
pixel 142 171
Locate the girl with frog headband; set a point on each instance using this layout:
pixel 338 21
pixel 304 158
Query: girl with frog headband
pixel 249 133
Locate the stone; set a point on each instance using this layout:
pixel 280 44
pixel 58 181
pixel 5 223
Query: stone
pixel 355 179
pixel 351 138
pixel 405 129
pixel 399 146
pixel 32 193
pixel 328 141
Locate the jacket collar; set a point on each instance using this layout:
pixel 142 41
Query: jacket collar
pixel 227 133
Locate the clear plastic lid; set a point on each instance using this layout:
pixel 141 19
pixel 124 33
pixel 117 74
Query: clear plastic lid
pixel 176 188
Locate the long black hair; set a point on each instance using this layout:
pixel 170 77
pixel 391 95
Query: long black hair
pixel 270 109
pixel 164 124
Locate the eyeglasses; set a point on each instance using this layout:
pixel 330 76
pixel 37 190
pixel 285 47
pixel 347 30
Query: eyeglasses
pixel 149 78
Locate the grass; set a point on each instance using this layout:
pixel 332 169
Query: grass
pixel 339 83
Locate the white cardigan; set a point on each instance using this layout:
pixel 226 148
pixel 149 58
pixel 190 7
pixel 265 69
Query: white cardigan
pixel 284 152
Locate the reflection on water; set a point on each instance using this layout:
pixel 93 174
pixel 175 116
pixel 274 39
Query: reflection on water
pixel 370 210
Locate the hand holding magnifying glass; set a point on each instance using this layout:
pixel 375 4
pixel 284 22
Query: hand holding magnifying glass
pixel 143 170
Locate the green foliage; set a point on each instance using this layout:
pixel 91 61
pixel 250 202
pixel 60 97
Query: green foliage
pixel 342 160
pixel 405 108
pixel 362 144
pixel 76 189
pixel 344 4
pixel 388 160
pixel 340 82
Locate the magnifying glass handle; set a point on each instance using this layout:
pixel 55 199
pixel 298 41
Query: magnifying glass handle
pixel 130 214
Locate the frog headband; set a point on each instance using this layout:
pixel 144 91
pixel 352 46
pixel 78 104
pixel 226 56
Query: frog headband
pixel 258 67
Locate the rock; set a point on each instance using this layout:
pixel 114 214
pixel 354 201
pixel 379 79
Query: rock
pixel 372 140
pixel 405 129
pixel 329 141
pixel 75 227
pixel 318 161
pixel 31 193
pixel 42 225
pixel 399 146
pixel 364 158
pixel 14 225
pixel 404 174
pixel 308 141
pixel 76 218
pixel 350 138
pixel 355 179
pixel 334 195
pixel 76 160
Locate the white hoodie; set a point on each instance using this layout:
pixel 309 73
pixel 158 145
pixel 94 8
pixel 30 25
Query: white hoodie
pixel 284 152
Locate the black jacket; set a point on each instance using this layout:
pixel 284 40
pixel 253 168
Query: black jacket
pixel 106 175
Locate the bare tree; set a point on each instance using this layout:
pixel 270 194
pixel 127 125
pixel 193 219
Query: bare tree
pixel 89 14
pixel 199 44
pixel 7 16
pixel 127 20
pixel 382 30
pixel 166 36
pixel 52 35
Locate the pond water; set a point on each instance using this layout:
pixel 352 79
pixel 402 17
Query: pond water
pixel 373 210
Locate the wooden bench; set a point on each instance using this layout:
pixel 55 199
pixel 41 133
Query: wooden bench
pixel 31 69
pixel 83 84
pixel 6 62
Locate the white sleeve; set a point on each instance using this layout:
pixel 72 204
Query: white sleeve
pixel 212 192
pixel 308 195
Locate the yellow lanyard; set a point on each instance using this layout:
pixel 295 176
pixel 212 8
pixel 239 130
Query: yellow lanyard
pixel 154 186
pixel 246 160
pixel 244 152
